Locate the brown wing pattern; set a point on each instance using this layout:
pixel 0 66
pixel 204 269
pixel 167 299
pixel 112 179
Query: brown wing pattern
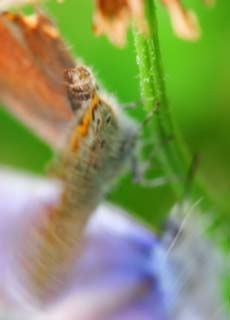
pixel 32 62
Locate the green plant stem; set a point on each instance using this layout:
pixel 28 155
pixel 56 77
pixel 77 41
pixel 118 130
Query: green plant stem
pixel 174 160
pixel 171 155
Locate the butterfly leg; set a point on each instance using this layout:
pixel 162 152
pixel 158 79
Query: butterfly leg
pixel 132 105
pixel 138 175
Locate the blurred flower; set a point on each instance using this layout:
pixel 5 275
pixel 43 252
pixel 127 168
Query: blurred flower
pixel 209 2
pixel 117 276
pixel 6 4
pixel 184 22
pixel 124 272
pixel 112 18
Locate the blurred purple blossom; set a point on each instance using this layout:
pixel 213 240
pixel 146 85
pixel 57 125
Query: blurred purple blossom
pixel 117 277
pixel 124 273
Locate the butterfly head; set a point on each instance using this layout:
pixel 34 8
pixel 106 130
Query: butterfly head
pixel 81 86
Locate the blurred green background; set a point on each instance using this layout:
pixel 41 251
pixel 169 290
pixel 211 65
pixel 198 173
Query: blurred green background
pixel 197 77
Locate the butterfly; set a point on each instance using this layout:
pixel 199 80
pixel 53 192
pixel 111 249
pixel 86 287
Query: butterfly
pixel 60 99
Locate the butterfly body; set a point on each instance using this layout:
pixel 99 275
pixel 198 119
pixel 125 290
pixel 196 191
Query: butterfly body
pixel 100 140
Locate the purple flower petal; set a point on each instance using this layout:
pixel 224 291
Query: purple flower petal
pixel 116 277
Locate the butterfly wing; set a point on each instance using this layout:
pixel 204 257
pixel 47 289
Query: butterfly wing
pixel 33 58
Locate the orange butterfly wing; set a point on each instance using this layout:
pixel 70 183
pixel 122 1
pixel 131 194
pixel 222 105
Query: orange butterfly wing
pixel 32 62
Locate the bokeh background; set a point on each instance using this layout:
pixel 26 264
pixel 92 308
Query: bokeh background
pixel 197 77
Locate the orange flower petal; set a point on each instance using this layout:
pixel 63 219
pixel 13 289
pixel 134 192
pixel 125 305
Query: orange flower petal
pixel 113 17
pixel 210 2
pixel 184 22
pixel 7 4
pixel 137 9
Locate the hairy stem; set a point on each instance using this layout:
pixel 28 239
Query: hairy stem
pixel 171 155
